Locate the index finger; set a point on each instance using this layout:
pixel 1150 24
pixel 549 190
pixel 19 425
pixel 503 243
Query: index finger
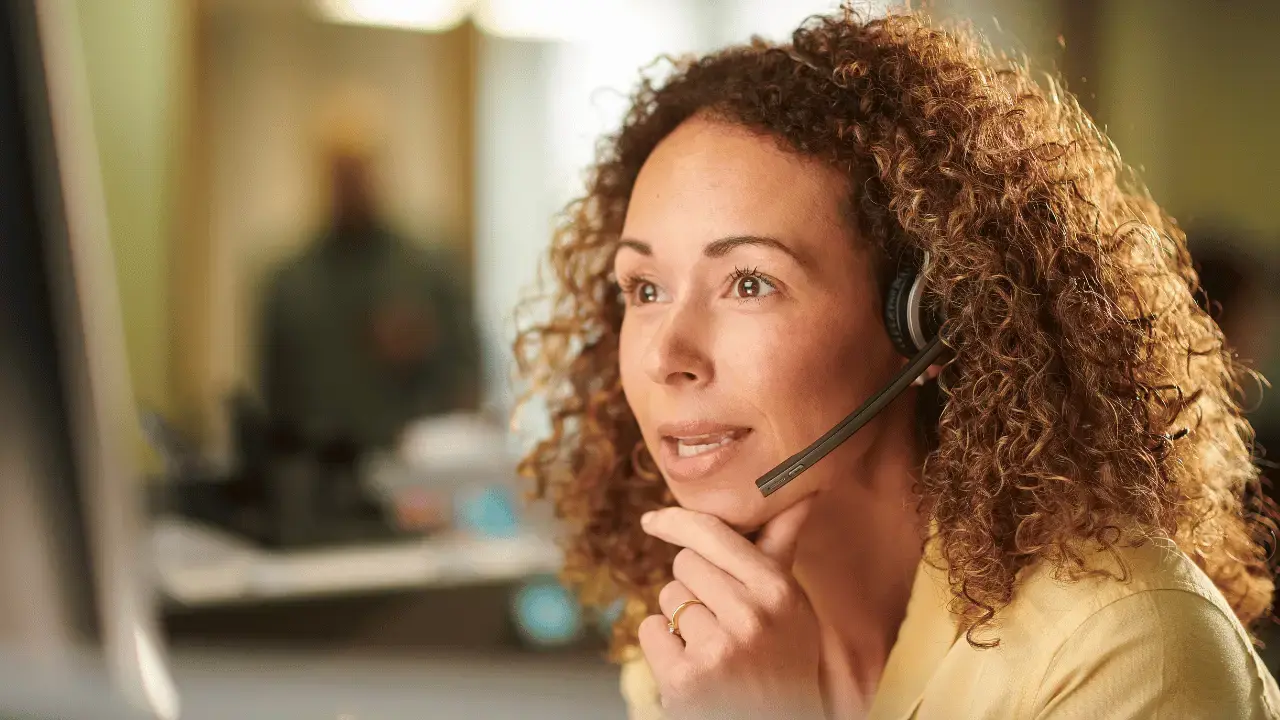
pixel 711 538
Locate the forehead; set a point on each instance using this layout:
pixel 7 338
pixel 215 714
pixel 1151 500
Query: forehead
pixel 709 179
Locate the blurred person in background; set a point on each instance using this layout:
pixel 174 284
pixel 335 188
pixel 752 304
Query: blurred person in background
pixel 1052 523
pixel 365 330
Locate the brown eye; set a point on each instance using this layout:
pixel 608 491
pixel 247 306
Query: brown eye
pixel 749 285
pixel 638 291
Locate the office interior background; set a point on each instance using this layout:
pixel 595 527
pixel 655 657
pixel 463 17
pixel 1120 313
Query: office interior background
pixel 430 589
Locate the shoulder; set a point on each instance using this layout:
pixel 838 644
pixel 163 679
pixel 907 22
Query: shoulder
pixel 1161 652
pixel 1150 635
pixel 1044 594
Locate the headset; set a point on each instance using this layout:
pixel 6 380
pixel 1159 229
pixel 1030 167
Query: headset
pixel 914 332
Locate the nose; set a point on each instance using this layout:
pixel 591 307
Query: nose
pixel 677 352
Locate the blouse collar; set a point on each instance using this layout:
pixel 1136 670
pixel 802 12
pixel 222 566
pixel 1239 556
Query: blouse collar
pixel 926 635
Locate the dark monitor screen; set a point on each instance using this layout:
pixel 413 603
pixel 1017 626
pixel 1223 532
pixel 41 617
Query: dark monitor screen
pixel 77 628
pixel 33 394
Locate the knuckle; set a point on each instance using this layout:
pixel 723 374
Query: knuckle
pixel 777 567
pixel 752 623
pixel 703 522
pixel 776 594
pixel 669 517
pixel 718 654
pixel 684 562
pixel 670 594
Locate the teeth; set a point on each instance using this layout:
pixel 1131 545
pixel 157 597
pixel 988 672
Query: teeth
pixel 686 448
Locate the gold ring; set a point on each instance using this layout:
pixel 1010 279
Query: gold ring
pixel 673 626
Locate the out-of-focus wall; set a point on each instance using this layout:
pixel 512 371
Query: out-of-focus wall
pixel 134 55
pixel 1018 27
pixel 1191 92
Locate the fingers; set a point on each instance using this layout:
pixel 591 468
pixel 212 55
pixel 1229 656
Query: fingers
pixel 712 539
pixel 662 650
pixel 722 592
pixel 779 536
pixel 697 623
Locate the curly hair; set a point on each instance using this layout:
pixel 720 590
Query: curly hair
pixel 1090 401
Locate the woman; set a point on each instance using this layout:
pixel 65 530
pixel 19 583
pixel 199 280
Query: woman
pixel 1053 523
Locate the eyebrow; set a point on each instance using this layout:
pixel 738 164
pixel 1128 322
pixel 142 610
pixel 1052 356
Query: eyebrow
pixel 723 246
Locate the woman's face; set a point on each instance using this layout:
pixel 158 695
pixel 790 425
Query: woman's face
pixel 753 319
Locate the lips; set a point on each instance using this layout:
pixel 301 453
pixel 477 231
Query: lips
pixel 692 447
pixel 693 450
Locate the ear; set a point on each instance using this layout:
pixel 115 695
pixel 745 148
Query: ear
pixel 929 375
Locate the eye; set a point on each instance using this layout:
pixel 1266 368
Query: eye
pixel 647 292
pixel 751 284
pixel 638 290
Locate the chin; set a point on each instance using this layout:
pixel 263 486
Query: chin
pixel 742 508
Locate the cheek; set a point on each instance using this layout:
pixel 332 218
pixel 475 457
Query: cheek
pixel 805 377
pixel 781 373
pixel 630 371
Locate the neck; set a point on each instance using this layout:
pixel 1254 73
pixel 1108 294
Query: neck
pixel 856 561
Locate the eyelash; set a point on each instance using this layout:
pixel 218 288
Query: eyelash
pixel 740 273
pixel 627 285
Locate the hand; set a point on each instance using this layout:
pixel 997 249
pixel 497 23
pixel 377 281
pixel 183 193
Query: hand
pixel 752 651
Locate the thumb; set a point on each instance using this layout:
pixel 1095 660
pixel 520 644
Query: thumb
pixel 779 536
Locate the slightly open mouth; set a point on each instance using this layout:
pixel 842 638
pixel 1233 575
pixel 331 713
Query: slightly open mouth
pixel 687 447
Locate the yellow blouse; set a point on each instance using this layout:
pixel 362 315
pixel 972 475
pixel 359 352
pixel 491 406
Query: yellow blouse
pixel 1162 644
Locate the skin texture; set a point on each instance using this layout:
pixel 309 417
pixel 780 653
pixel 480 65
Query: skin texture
pixel 787 350
pixel 721 332
pixel 1088 401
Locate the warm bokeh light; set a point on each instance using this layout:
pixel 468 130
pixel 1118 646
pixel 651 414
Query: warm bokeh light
pixel 424 15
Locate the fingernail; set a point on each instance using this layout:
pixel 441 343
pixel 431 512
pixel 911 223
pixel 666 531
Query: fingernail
pixel 647 518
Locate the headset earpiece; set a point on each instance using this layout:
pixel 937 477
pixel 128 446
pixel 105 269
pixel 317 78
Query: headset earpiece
pixel 904 316
pixel 895 312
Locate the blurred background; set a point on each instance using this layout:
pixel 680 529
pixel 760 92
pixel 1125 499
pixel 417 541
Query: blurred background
pixel 321 214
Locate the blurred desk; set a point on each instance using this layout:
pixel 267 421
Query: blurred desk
pixel 219 684
pixel 198 566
